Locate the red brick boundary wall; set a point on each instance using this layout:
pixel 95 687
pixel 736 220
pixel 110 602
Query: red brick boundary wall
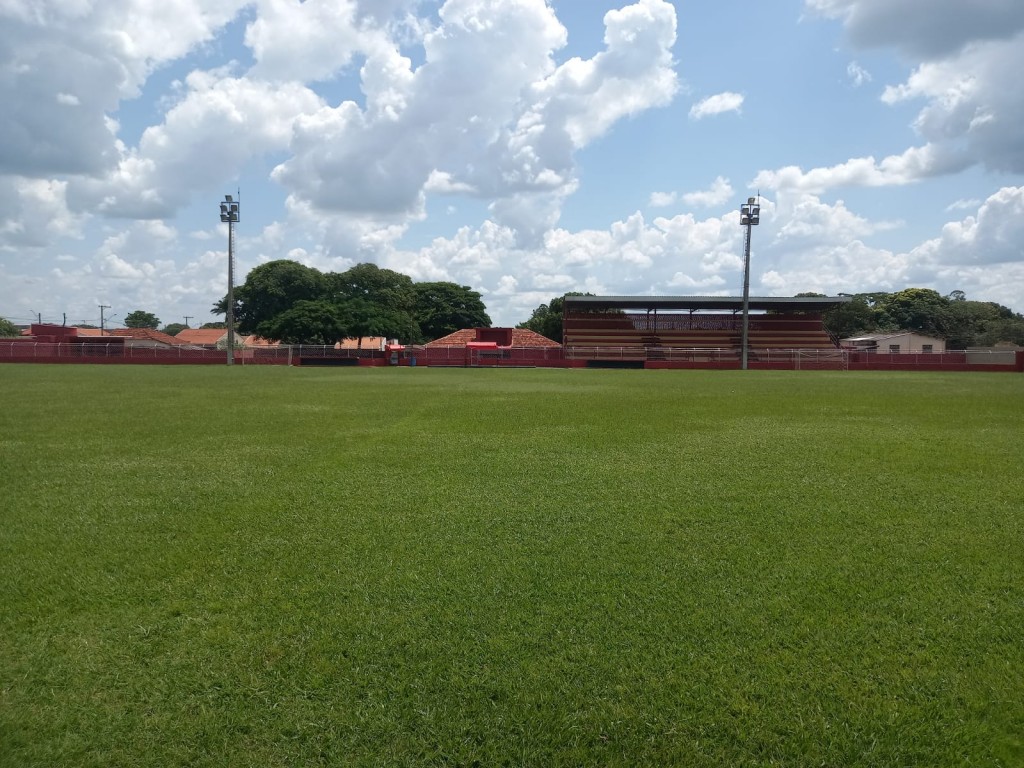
pixel 28 351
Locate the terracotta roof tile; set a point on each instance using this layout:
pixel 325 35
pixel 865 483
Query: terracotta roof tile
pixel 457 339
pixel 521 337
pixel 201 335
pixel 257 341
pixel 147 334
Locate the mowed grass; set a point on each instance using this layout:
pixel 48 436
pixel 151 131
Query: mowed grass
pixel 380 567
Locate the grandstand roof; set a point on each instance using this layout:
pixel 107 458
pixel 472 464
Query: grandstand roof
pixel 693 303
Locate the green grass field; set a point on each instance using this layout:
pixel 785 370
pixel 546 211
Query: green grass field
pixel 283 567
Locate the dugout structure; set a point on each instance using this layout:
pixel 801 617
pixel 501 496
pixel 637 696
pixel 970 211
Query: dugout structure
pixel 701 329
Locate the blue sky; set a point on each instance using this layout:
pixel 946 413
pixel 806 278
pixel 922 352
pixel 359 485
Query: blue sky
pixel 521 147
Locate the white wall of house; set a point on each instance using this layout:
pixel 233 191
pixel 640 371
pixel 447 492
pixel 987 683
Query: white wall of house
pixel 897 343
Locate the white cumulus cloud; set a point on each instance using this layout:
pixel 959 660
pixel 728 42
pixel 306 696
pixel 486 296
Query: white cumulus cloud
pixel 716 105
pixel 719 192
pixel 487 112
pixel 969 56
pixel 912 165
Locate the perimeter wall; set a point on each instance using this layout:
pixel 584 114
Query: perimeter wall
pixel 24 351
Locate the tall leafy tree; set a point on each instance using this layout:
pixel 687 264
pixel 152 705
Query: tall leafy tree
pixel 384 287
pixel 140 319
pixel 381 302
pixel 309 322
pixel 850 318
pixel 982 324
pixel 1007 330
pixel 369 319
pixel 443 308
pixel 271 289
pixel 173 329
pixel 916 309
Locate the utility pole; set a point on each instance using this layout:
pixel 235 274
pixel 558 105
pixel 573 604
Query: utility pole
pixel 102 307
pixel 187 318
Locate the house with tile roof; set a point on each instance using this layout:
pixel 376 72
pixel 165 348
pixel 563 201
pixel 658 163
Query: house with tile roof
pixel 217 338
pixel 895 342
pixel 502 337
pixel 134 337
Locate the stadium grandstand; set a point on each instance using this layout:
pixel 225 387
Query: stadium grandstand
pixel 650 328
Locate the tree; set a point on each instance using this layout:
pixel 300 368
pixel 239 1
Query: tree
pixel 961 322
pixel 381 302
pixel 140 319
pixel 982 324
pixel 368 319
pixel 916 309
pixel 8 329
pixel 547 318
pixel 443 308
pixel 371 301
pixel 207 326
pixel 850 318
pixel 384 287
pixel 271 289
pixel 173 329
pixel 1008 330
pixel 309 322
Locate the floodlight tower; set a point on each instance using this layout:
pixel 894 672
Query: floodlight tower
pixel 750 216
pixel 229 213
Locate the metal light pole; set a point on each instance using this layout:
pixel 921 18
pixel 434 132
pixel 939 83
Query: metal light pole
pixel 750 216
pixel 229 213
pixel 102 321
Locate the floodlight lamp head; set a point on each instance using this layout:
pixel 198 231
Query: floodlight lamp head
pixel 229 211
pixel 228 198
